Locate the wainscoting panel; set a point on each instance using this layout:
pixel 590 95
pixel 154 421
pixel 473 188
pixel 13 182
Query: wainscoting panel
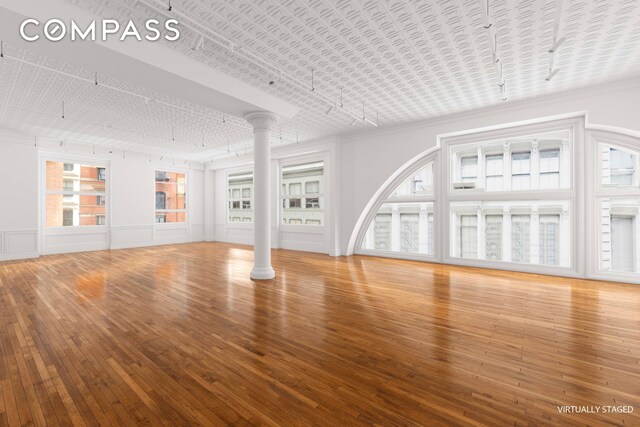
pixel 131 236
pixel 18 244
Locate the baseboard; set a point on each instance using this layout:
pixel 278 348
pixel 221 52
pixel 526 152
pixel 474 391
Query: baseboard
pixel 19 256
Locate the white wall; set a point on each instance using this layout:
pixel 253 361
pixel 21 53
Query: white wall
pixel 369 159
pixel 19 207
pixel 131 201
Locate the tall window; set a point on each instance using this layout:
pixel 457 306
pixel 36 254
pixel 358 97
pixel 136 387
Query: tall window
pixel 404 222
pixel 303 194
pixel 493 239
pixel 240 197
pixel 520 238
pixel 468 236
pixel 549 227
pixel 619 209
pixel 75 195
pixel 171 197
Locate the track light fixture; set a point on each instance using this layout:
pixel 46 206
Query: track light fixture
pixel 552 73
pixel 96 79
pixel 353 122
pixel 312 86
pixel 170 8
pixel 556 44
pixel 488 23
pixel 329 110
pixel 63 109
pixel 198 41
pixel 1 49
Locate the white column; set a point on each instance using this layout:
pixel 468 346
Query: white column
pixel 535 165
pixel 262 123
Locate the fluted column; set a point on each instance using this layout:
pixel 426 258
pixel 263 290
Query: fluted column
pixel 262 123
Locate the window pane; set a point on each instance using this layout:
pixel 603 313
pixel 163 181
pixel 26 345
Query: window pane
pixel 75 210
pixel 494 167
pixel 240 190
pixel 75 177
pixel 493 237
pixel 619 234
pixel 548 243
pixel 520 242
pixel 419 183
pixel 312 187
pixel 402 227
pixel 307 182
pixel 468 236
pixel 171 190
pixel 162 217
pixel 469 168
pixel 619 166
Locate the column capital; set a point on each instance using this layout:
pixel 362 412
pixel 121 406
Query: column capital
pixel 261 120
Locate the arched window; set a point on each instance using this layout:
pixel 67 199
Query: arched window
pixel 403 224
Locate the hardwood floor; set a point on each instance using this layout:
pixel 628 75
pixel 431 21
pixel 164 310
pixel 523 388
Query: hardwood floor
pixel 178 335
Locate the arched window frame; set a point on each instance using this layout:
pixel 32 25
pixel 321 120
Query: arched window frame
pixel 431 156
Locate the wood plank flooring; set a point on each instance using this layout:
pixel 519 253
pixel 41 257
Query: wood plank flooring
pixel 178 335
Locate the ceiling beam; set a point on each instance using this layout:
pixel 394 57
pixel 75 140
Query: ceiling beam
pixel 151 65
